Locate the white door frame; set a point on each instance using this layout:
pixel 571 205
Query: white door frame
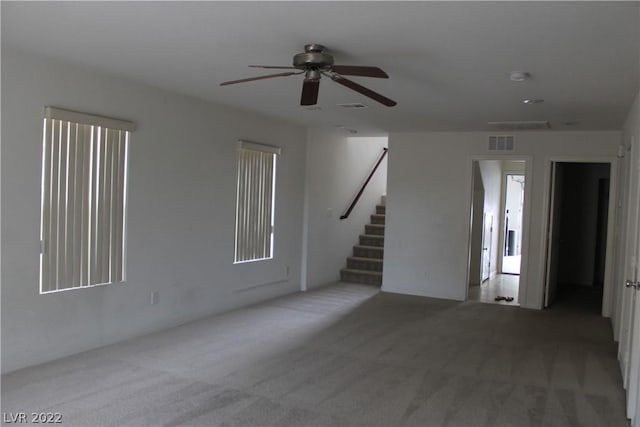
pixel 526 215
pixel 549 240
pixel 607 300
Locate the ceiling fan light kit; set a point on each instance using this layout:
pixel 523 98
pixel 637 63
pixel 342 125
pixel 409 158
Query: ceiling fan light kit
pixel 315 62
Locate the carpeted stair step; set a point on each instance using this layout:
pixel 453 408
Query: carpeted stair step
pixel 365 266
pixel 371 240
pixel 376 229
pixel 368 251
pixel 360 263
pixel 361 276
pixel 378 219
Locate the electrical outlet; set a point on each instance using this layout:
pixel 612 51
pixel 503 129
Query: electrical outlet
pixel 155 297
pixel 286 271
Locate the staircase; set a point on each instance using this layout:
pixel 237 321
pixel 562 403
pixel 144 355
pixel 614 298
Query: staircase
pixel 365 266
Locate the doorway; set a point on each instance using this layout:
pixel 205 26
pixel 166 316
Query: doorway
pixel 498 185
pixel 578 221
pixel 512 214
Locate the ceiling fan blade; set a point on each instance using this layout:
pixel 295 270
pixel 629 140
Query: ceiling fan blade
pixel 310 90
pixel 356 70
pixel 250 79
pixel 362 90
pixel 276 67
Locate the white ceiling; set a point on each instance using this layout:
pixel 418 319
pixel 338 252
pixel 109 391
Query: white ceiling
pixel 448 62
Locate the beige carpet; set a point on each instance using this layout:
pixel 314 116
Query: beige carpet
pixel 339 356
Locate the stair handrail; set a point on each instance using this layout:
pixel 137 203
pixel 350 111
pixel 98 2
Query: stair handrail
pixel 364 185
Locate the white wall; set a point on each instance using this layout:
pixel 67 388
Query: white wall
pixel 181 212
pixel 429 192
pixel 337 167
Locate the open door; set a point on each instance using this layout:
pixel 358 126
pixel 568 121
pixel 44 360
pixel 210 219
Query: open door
pixel 553 235
pixel 487 237
pixel 477 227
pixel 630 334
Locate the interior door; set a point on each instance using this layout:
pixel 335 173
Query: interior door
pixel 630 337
pixel 553 234
pixel 487 236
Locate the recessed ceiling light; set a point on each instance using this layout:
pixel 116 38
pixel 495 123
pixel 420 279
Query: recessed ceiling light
pixel 519 76
pixel 530 101
pixel 346 129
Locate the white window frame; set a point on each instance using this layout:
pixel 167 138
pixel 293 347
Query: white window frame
pixel 83 200
pixel 255 201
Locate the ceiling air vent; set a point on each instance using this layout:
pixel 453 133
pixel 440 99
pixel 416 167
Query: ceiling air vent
pixel 501 143
pixel 521 125
pixel 354 105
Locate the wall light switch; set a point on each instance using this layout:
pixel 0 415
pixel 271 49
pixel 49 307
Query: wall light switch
pixel 155 297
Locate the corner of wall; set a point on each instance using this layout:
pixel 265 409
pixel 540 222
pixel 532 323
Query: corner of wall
pixel 304 261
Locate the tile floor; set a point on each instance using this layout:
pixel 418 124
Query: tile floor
pixel 499 285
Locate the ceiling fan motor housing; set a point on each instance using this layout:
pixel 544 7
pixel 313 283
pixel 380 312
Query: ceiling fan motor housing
pixel 313 57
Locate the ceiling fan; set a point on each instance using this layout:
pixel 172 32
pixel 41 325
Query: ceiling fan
pixel 314 63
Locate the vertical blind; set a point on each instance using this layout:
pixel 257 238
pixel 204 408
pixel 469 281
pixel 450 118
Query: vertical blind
pixel 255 196
pixel 84 181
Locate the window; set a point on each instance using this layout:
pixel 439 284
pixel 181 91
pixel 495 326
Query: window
pixel 255 201
pixel 84 196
